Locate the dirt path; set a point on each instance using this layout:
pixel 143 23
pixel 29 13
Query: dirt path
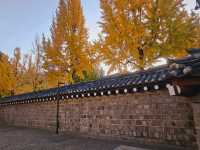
pixel 13 138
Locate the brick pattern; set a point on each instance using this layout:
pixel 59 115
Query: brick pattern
pixel 196 112
pixel 150 117
pixel 41 115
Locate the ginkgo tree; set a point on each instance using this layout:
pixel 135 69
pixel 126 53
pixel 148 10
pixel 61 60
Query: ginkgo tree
pixel 135 33
pixel 66 52
pixel 26 70
pixel 6 74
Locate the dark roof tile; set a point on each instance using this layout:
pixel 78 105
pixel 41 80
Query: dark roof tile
pixel 155 76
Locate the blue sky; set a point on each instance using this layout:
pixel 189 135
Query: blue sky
pixel 23 20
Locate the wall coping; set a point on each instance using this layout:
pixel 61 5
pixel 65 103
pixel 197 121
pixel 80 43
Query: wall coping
pixel 152 79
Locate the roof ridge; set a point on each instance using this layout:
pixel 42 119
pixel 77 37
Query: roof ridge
pixel 154 75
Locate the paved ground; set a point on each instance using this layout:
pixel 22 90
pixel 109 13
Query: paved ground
pixel 12 138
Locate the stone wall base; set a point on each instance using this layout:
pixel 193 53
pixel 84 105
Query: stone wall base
pixel 150 117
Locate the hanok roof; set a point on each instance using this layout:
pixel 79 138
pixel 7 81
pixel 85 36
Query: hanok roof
pixel 149 80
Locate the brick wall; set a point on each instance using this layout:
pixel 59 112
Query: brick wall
pixel 41 115
pixel 196 111
pixel 150 117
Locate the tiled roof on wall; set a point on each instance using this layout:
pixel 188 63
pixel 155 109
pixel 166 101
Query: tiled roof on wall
pixel 149 80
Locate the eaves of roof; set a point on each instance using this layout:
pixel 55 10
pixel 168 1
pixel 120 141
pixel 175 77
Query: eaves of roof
pixel 141 81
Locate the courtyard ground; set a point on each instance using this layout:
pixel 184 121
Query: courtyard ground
pixel 15 138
